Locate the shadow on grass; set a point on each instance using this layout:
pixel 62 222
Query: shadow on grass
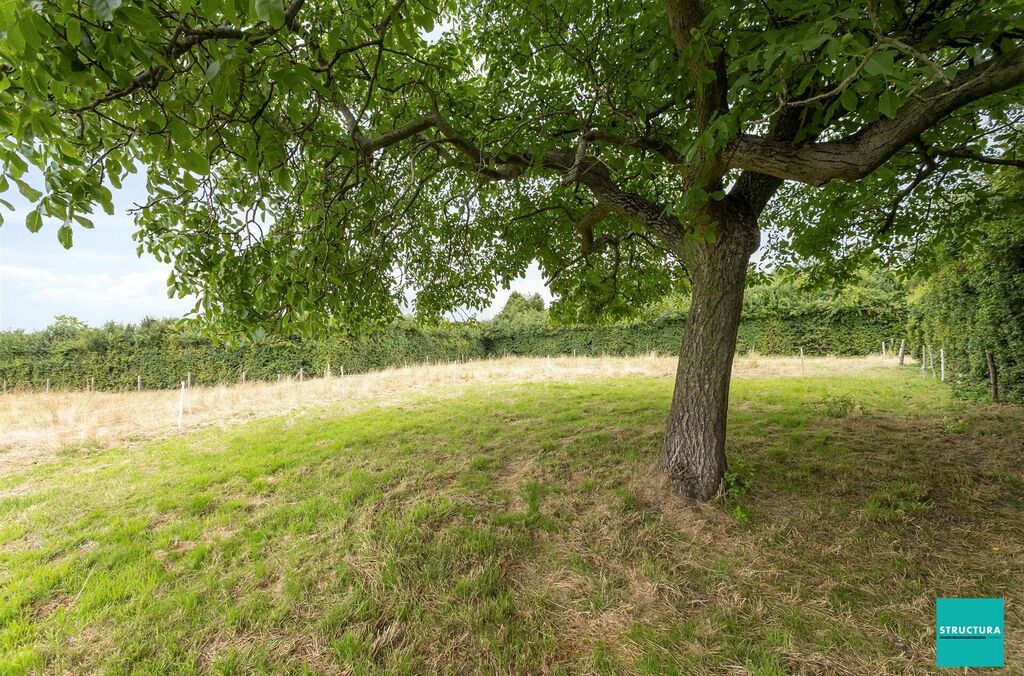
pixel 519 529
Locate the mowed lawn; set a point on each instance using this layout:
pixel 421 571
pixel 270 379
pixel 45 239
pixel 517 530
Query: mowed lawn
pixel 518 529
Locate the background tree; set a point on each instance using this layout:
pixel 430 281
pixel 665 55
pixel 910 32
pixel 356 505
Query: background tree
pixel 519 304
pixel 311 162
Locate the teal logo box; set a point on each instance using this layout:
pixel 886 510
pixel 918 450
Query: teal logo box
pixel 969 633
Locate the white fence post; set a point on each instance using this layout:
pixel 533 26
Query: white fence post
pixel 942 363
pixel 47 384
pixel 243 376
pixel 801 361
pixel 181 406
pixel 138 383
pixel 301 374
pixel 922 360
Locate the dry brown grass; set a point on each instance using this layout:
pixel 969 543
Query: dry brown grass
pixel 35 425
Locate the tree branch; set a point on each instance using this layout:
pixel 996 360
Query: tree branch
pixel 586 226
pixel 587 170
pixel 856 156
pixel 193 38
pixel 684 18
pixel 966 154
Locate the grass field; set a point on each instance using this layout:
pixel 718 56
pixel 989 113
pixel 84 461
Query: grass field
pixel 517 528
pixel 37 424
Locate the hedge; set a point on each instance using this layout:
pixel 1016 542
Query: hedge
pixel 162 352
pixel 778 319
pixel 975 305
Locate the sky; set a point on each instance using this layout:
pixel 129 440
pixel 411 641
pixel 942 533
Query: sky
pixel 101 278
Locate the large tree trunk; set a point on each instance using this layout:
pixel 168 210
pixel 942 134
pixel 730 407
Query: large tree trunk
pixel 693 454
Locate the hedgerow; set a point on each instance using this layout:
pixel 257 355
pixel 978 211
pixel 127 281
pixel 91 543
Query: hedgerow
pixel 779 318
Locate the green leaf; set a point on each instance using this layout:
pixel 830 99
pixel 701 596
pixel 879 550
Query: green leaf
pixel 812 42
pixel 104 9
pixel 27 191
pixel 212 70
pixel 880 63
pixel 849 100
pixel 140 19
pixel 271 11
pixel 74 31
pixel 64 236
pixel 888 104
pixel 195 162
pixel 34 221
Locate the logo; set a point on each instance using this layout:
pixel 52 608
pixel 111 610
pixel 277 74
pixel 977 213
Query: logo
pixel 969 632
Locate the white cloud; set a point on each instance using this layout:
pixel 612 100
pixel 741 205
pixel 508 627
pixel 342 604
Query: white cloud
pixel 41 284
pixel 29 276
pixel 31 296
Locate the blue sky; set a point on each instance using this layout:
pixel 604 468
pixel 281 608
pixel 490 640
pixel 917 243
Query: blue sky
pixel 101 278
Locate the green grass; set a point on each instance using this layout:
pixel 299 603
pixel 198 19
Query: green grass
pixel 518 529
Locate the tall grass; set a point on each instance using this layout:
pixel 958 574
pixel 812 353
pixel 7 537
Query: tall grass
pixel 37 424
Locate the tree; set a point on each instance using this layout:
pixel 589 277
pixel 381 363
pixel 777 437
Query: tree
pixel 518 305
pixel 313 162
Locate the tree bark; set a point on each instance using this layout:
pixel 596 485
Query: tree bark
pixel 693 454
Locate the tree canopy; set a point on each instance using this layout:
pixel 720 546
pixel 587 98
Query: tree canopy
pixel 311 161
pixel 519 304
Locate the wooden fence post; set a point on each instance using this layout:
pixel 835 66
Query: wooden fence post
pixel 923 362
pixel 942 363
pixel 243 376
pixel 993 375
pixel 883 349
pixel 301 374
pixel 181 406
pixel 47 384
pixel 903 349
pixel 801 360
pixel 189 380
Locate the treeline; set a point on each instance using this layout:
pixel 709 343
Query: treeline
pixel 778 319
